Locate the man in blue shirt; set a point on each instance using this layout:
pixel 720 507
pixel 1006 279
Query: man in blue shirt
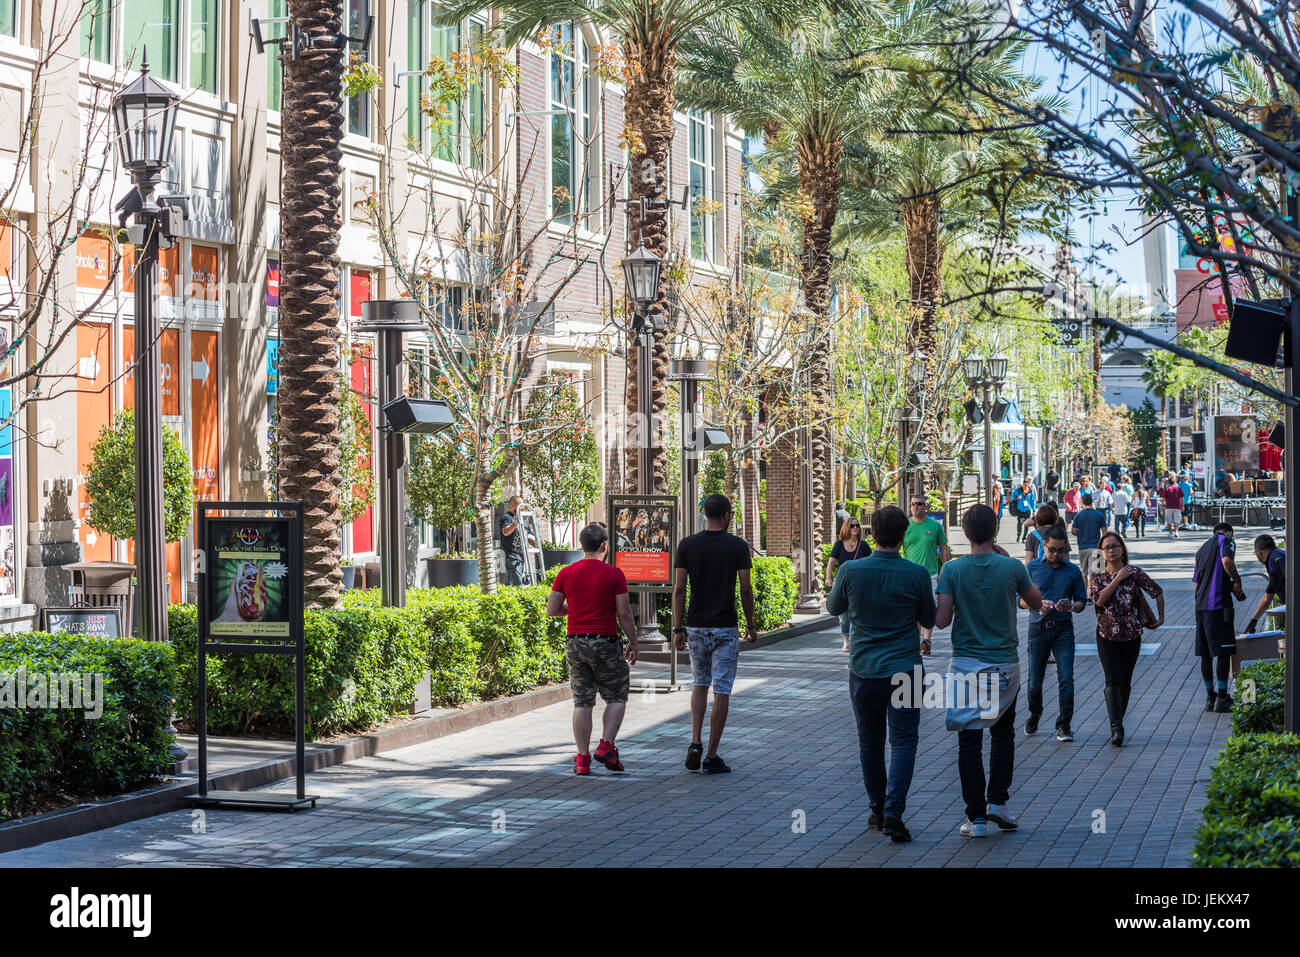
pixel 1217 583
pixel 885 597
pixel 1051 630
pixel 1088 526
pixel 1022 506
pixel 1188 489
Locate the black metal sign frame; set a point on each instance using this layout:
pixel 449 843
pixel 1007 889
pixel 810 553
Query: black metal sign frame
pixel 615 501
pixel 289 517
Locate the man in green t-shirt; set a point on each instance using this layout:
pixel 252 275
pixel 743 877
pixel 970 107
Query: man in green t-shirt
pixel 925 543
pixel 977 596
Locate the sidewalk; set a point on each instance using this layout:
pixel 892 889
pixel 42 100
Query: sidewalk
pixel 504 794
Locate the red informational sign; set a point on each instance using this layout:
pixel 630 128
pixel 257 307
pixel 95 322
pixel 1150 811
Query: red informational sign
pixel 205 420
pixel 273 283
pixel 643 538
pixel 169 358
pixel 643 566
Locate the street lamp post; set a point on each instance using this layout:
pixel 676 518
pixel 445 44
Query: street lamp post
pixel 642 270
pixel 144 115
pixel 985 378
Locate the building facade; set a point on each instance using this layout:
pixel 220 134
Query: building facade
pixel 60 62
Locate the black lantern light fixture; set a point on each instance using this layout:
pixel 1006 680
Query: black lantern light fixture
pixel 144 114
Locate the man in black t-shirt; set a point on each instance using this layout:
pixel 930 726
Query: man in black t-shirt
pixel 713 561
pixel 1274 561
pixel 1217 582
pixel 512 541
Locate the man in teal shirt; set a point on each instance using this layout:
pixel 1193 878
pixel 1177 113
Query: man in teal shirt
pixel 977 596
pixel 925 543
pixel 886 597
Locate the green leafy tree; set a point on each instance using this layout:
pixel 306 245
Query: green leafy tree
pixel 1147 431
pixel 111 481
pixel 440 486
pixel 356 458
pixel 562 474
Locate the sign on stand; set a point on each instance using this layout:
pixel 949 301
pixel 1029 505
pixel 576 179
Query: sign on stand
pixel 251 603
pixel 92 622
pixel 643 539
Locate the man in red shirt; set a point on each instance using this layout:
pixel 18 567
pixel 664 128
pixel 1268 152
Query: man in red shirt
pixel 1172 496
pixel 594 596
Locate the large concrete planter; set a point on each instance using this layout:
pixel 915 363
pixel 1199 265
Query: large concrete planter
pixel 349 576
pixel 567 557
pixel 446 572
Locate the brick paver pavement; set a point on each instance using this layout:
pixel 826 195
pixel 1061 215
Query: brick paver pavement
pixel 504 794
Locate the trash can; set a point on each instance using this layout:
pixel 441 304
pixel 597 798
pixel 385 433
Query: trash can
pixel 105 585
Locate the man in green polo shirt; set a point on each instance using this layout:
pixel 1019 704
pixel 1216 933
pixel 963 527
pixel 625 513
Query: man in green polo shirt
pixel 925 543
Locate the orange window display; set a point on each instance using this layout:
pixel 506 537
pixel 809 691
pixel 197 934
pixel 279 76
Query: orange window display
pixel 361 374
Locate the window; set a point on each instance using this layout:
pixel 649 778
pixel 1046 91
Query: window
pixel 8 22
pixel 156 27
pixel 571 97
pixel 358 106
pixel 703 174
pixel 458 137
pixel 274 71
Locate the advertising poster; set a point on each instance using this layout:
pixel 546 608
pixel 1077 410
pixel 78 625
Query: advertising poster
pixel 248 571
pixel 1236 443
pixel 643 538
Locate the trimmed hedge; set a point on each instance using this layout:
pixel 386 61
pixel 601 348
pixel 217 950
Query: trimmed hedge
pixel 364 660
pixel 1252 811
pixel 1267 710
pixel 48 754
pixel 776 589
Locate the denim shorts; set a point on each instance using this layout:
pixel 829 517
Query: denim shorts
pixel 713 657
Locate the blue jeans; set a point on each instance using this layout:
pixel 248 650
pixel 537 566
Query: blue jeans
pixel 1042 643
pixel 874 712
pixel 1121 522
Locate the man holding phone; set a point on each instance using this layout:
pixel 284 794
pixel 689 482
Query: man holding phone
pixel 1051 629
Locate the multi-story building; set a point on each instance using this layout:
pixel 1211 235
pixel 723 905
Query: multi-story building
pixel 219 285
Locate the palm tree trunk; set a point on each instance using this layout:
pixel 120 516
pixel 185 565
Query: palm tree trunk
pixel 648 111
pixel 819 182
pixel 309 315
pixel 925 283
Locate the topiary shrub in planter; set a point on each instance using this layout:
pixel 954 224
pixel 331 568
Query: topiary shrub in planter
pixel 111 481
pixel 449 571
pixel 49 754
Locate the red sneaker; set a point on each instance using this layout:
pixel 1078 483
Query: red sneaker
pixel 607 755
pixel 582 764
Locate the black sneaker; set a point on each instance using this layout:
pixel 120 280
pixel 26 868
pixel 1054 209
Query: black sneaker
pixel 1223 704
pixel 693 754
pixel 897 831
pixel 874 822
pixel 1031 724
pixel 1210 698
pixel 1064 733
pixel 714 765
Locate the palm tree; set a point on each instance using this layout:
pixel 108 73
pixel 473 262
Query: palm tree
pixel 794 79
pixel 649 33
pixel 945 164
pixel 309 315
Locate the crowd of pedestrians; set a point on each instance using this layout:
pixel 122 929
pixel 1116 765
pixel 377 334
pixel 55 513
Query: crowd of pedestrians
pixel 890 597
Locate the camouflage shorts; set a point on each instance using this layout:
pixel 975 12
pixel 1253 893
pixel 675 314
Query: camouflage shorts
pixel 596 663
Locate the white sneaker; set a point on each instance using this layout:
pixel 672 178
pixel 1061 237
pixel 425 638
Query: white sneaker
pixel 977 828
pixel 999 815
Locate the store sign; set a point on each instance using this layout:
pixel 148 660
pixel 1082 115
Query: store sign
pixel 1236 443
pixel 250 577
pixel 1069 330
pixel 90 622
pixel 272 366
pixel 643 542
pixel 202 281
pixel 94 254
pixel 273 283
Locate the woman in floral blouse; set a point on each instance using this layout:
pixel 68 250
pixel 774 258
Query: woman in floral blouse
pixel 1119 630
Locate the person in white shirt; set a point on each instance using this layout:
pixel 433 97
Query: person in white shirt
pixel 1103 501
pixel 1122 502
